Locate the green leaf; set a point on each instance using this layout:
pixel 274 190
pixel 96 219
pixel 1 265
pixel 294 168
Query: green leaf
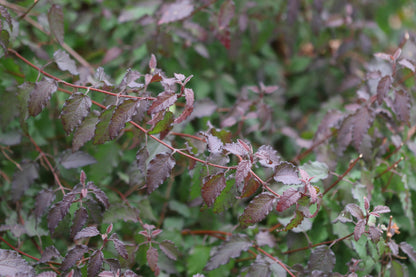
pixel 120 211
pixel 226 199
pixel 316 170
pixel 296 221
pixel 197 259
pixel 163 126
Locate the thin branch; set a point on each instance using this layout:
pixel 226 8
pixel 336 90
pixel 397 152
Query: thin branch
pixel 276 260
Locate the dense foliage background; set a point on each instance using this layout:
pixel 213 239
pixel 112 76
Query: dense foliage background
pixel 207 138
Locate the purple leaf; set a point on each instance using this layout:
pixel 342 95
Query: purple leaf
pixel 381 209
pixel 265 238
pixel 73 255
pixel 76 160
pixel 362 120
pixel 152 62
pixel 99 194
pixel 80 218
pixel 402 105
pixel 394 247
pixel 87 232
pixel 102 129
pixel 235 148
pixel 40 96
pixel 397 53
pixel 141 157
pixel 49 253
pixel 287 174
pixel 56 22
pixel 205 107
pixel 12 264
pixel 64 62
pixel 344 136
pixel 287 199
pixel 231 248
pixel 355 211
pixel 383 88
pixel 215 145
pixel 267 156
pixel 374 233
pixel 119 246
pixel 158 170
pixel 257 209
pixel 189 106
pixel 43 201
pixel 212 188
pixel 47 274
pixel 408 64
pixel 359 229
pixel 75 109
pixel 176 11
pixel 242 172
pixel 22 179
pixel 226 14
pixel 384 56
pixel 163 101
pixel 129 80
pixel 95 263
pixel 59 210
pixel 322 258
pixel 409 250
pixel 169 249
pixel 85 131
pixel 122 114
pixel 152 258
pixel 250 187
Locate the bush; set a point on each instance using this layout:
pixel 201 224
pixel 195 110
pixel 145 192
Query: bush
pixel 207 137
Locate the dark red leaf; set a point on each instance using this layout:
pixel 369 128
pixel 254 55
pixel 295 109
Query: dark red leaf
pixel 402 105
pixel 95 263
pixel 163 101
pixel 243 170
pixel 85 131
pixel 102 129
pixel 40 96
pixel 231 248
pixel 141 157
pixel 287 199
pixel 257 209
pixel 43 200
pixel 122 114
pixel 169 249
pixel 64 62
pixel 322 258
pixel 250 187
pixel 158 170
pixel 212 187
pixel 287 174
pixel 80 218
pixel 87 232
pixel 189 106
pixel 383 88
pixel 152 258
pixel 56 22
pixel 265 238
pixel 73 255
pixel 176 11
pixel 359 229
pixel 394 247
pixel 59 210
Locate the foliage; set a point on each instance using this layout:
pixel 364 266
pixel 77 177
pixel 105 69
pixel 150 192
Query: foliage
pixel 285 145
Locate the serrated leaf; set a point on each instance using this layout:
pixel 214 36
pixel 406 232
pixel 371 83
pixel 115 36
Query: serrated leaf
pixel 231 248
pixel 267 156
pixel 163 101
pixel 141 157
pixel 394 247
pixel 56 22
pixel 12 264
pixel 43 200
pixel 257 209
pixel 23 95
pixel 76 160
pixel 87 232
pixel 40 96
pixel 49 253
pixel 95 263
pixel 73 255
pixel 122 114
pixel 407 64
pixel 344 136
pixel 322 258
pixel 287 174
pixel 189 106
pixel 381 209
pixel 152 258
pixel 409 250
pixel 359 229
pixel 99 194
pixel 176 11
pixel 362 120
pixel 119 246
pixel 383 88
pixel 75 109
pixel 64 62
pixel 59 210
pixel 354 210
pixel 102 129
pixel 80 218
pixel 212 188
pixel 250 187
pixel 22 179
pixel 85 131
pixel 374 233
pixel 316 170
pixel 226 199
pixel 259 270
pixel 295 221
pixel 235 148
pixel 163 126
pixel 402 105
pixel 158 170
pixel 215 145
pixel 169 249
pixel 242 171
pixel 47 274
pixel 287 199
pixel 119 211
